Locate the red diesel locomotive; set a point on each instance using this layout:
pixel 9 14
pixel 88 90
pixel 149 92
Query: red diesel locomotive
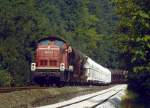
pixel 55 62
pixel 51 60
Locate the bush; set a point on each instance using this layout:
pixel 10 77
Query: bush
pixel 140 83
pixel 5 78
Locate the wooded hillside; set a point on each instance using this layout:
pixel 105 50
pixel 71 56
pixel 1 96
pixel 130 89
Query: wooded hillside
pixel 87 25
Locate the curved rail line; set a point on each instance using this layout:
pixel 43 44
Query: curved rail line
pixel 66 105
pixel 105 100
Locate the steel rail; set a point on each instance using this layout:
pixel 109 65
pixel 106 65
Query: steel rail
pixel 90 98
pixel 105 100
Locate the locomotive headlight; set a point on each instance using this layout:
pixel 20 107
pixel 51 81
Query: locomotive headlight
pixel 71 68
pixel 69 49
pixel 62 67
pixel 33 66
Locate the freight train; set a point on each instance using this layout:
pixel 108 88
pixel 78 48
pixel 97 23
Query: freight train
pixel 119 76
pixel 56 62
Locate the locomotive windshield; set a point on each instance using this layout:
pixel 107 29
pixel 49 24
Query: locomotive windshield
pixel 45 42
pixel 59 43
pixel 56 42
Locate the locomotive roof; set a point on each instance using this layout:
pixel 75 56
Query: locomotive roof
pixel 52 38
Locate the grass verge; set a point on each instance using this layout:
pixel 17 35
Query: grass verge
pixel 38 97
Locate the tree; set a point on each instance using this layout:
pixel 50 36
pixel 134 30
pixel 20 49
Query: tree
pixel 134 42
pixel 21 24
pixel 71 20
pixel 106 52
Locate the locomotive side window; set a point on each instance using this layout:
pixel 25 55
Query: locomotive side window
pixel 53 63
pixel 43 62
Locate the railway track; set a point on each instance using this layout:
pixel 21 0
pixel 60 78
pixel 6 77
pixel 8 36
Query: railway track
pixel 70 104
pixel 11 89
pixel 91 101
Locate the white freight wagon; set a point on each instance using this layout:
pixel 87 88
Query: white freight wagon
pixel 96 73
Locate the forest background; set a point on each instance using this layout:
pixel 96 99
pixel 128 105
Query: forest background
pixel 114 33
